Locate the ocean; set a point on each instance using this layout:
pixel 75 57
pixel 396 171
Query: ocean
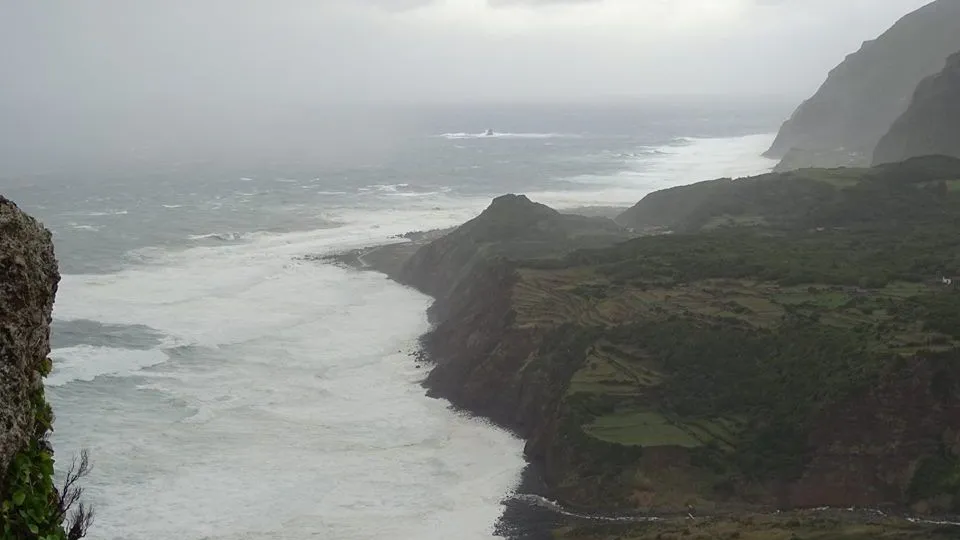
pixel 229 386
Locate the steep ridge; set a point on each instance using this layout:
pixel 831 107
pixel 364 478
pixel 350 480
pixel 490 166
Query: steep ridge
pixel 474 266
pixel 28 284
pixel 932 123
pixel 804 198
pixel 512 227
pixel 862 97
pixel 761 363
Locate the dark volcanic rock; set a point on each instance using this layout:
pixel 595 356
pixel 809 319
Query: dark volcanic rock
pixel 932 123
pixel 28 283
pixel 862 97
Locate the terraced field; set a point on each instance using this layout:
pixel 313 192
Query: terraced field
pixel 757 340
pixel 630 377
pixel 610 369
pixel 807 525
pixel 651 429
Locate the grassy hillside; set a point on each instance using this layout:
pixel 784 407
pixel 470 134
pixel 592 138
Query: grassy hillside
pixel 879 198
pixel 793 343
pixel 788 526
pixel 732 340
pixel 512 227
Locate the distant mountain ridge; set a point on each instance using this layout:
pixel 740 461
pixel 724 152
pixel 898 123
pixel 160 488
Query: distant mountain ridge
pixel 863 96
pixel 931 125
pixel 807 198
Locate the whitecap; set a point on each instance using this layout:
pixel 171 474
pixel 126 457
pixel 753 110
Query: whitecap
pixel 683 161
pixel 386 188
pixel 462 135
pixel 87 362
pixel 83 227
pixel 286 362
pixel 223 237
pixel 108 213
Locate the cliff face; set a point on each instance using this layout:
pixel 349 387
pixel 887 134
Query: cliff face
pixel 775 364
pixel 862 97
pixel 512 227
pixel 903 430
pixel 932 123
pixel 471 272
pixel 28 283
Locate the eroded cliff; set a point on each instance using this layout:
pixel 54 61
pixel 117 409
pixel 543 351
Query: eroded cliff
pixel 931 125
pixel 478 348
pixel 841 124
pixel 28 283
pixel 29 504
pixel 768 356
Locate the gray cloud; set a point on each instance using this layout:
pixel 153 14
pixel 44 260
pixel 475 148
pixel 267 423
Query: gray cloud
pixel 398 5
pixel 116 50
pixel 156 72
pixel 535 3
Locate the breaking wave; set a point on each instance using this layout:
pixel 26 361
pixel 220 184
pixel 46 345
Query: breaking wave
pixel 495 135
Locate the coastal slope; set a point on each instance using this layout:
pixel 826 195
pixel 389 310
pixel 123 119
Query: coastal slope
pixel 760 356
pixel 471 273
pixel 932 123
pixel 842 122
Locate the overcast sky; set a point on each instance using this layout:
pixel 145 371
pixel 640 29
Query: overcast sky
pixel 103 80
pixel 136 50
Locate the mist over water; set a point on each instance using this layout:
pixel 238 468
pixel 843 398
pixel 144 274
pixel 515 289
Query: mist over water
pixel 228 388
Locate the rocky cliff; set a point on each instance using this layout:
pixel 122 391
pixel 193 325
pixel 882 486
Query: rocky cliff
pixel 28 283
pixel 932 123
pixel 512 227
pixel 475 265
pixel 862 97
pixel 755 360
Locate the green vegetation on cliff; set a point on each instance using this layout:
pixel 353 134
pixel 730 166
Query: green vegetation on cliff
pixel 31 506
pixel 795 342
pixel 879 199
pixel 512 227
pixel 786 526
pixel 34 507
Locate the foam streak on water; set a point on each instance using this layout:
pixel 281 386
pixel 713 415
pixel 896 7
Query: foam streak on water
pixel 684 162
pixel 284 405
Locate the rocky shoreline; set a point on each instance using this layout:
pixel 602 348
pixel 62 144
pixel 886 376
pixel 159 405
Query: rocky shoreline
pixel 522 518
pixel 529 513
pixel 536 330
pixel 384 258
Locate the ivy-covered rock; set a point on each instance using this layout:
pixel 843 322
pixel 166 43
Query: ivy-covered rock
pixel 29 503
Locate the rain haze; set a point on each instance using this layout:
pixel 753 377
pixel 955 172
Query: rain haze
pixel 101 76
pixel 254 205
